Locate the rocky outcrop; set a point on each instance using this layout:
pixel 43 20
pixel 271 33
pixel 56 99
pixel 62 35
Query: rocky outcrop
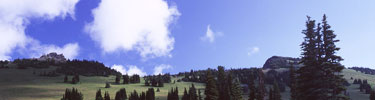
pixel 281 62
pixel 53 56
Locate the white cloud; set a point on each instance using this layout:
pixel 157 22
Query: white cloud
pixel 140 25
pixel 69 50
pixel 210 35
pixel 132 69
pixel 159 69
pixel 15 15
pixel 253 50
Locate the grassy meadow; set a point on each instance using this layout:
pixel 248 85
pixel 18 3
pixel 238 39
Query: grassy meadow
pixel 23 84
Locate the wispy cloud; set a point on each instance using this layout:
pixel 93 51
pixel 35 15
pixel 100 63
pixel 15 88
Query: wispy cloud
pixel 159 69
pixel 210 35
pixel 139 25
pixel 15 15
pixel 131 70
pixel 253 51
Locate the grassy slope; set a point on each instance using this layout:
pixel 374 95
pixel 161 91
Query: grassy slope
pixel 16 84
pixel 23 85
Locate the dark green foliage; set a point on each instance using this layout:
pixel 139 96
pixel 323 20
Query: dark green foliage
pixel 363 70
pixel 85 68
pixel 72 95
pixel 150 94
pixel 106 96
pixel 134 96
pixel 157 80
pixel 75 79
pixel 293 83
pixel 135 79
pixel 121 94
pixel 118 78
pixel 142 96
pixel 173 94
pixel 66 78
pixel 236 90
pixel 372 95
pixel 276 91
pixel 185 96
pixel 252 87
pixel 319 78
pixel 33 63
pixel 126 79
pixel 270 94
pixel 107 85
pixel 158 90
pixel 260 90
pixel 98 95
pixel 211 90
pixel 193 93
pixel 224 93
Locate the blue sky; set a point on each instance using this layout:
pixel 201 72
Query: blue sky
pixel 156 36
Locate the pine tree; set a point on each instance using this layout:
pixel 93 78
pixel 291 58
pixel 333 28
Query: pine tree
pixel 236 90
pixel 185 96
pixel 142 96
pixel 99 95
pixel 72 95
pixel 331 63
pixel 121 94
pixel 276 91
pixel 372 95
pixel 293 83
pixel 310 77
pixel 150 94
pixel 211 90
pixel 252 87
pixel 66 78
pixel 118 77
pixel 106 96
pixel 125 79
pixel 270 94
pixel 193 93
pixel 134 96
pixel 221 84
pixel 260 90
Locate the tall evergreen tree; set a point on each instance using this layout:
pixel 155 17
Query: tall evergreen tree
pixel 252 87
pixel 222 85
pixel 118 77
pixel 193 93
pixel 121 94
pixel 106 96
pixel 310 78
pixel 211 90
pixel 260 90
pixel 270 94
pixel 331 63
pixel 293 83
pixel 125 79
pixel 185 96
pixel 66 78
pixel 99 95
pixel 150 94
pixel 372 95
pixel 276 91
pixel 236 90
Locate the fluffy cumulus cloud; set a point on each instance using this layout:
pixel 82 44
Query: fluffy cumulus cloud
pixel 139 25
pixel 130 70
pixel 210 35
pixel 159 69
pixel 15 15
pixel 253 50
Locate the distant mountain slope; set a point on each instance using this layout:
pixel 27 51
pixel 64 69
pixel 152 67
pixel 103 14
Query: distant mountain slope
pixel 281 62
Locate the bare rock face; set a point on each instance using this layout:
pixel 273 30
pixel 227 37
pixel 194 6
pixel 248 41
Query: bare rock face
pixel 53 56
pixel 281 62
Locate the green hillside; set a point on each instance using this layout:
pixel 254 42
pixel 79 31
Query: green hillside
pixel 23 84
